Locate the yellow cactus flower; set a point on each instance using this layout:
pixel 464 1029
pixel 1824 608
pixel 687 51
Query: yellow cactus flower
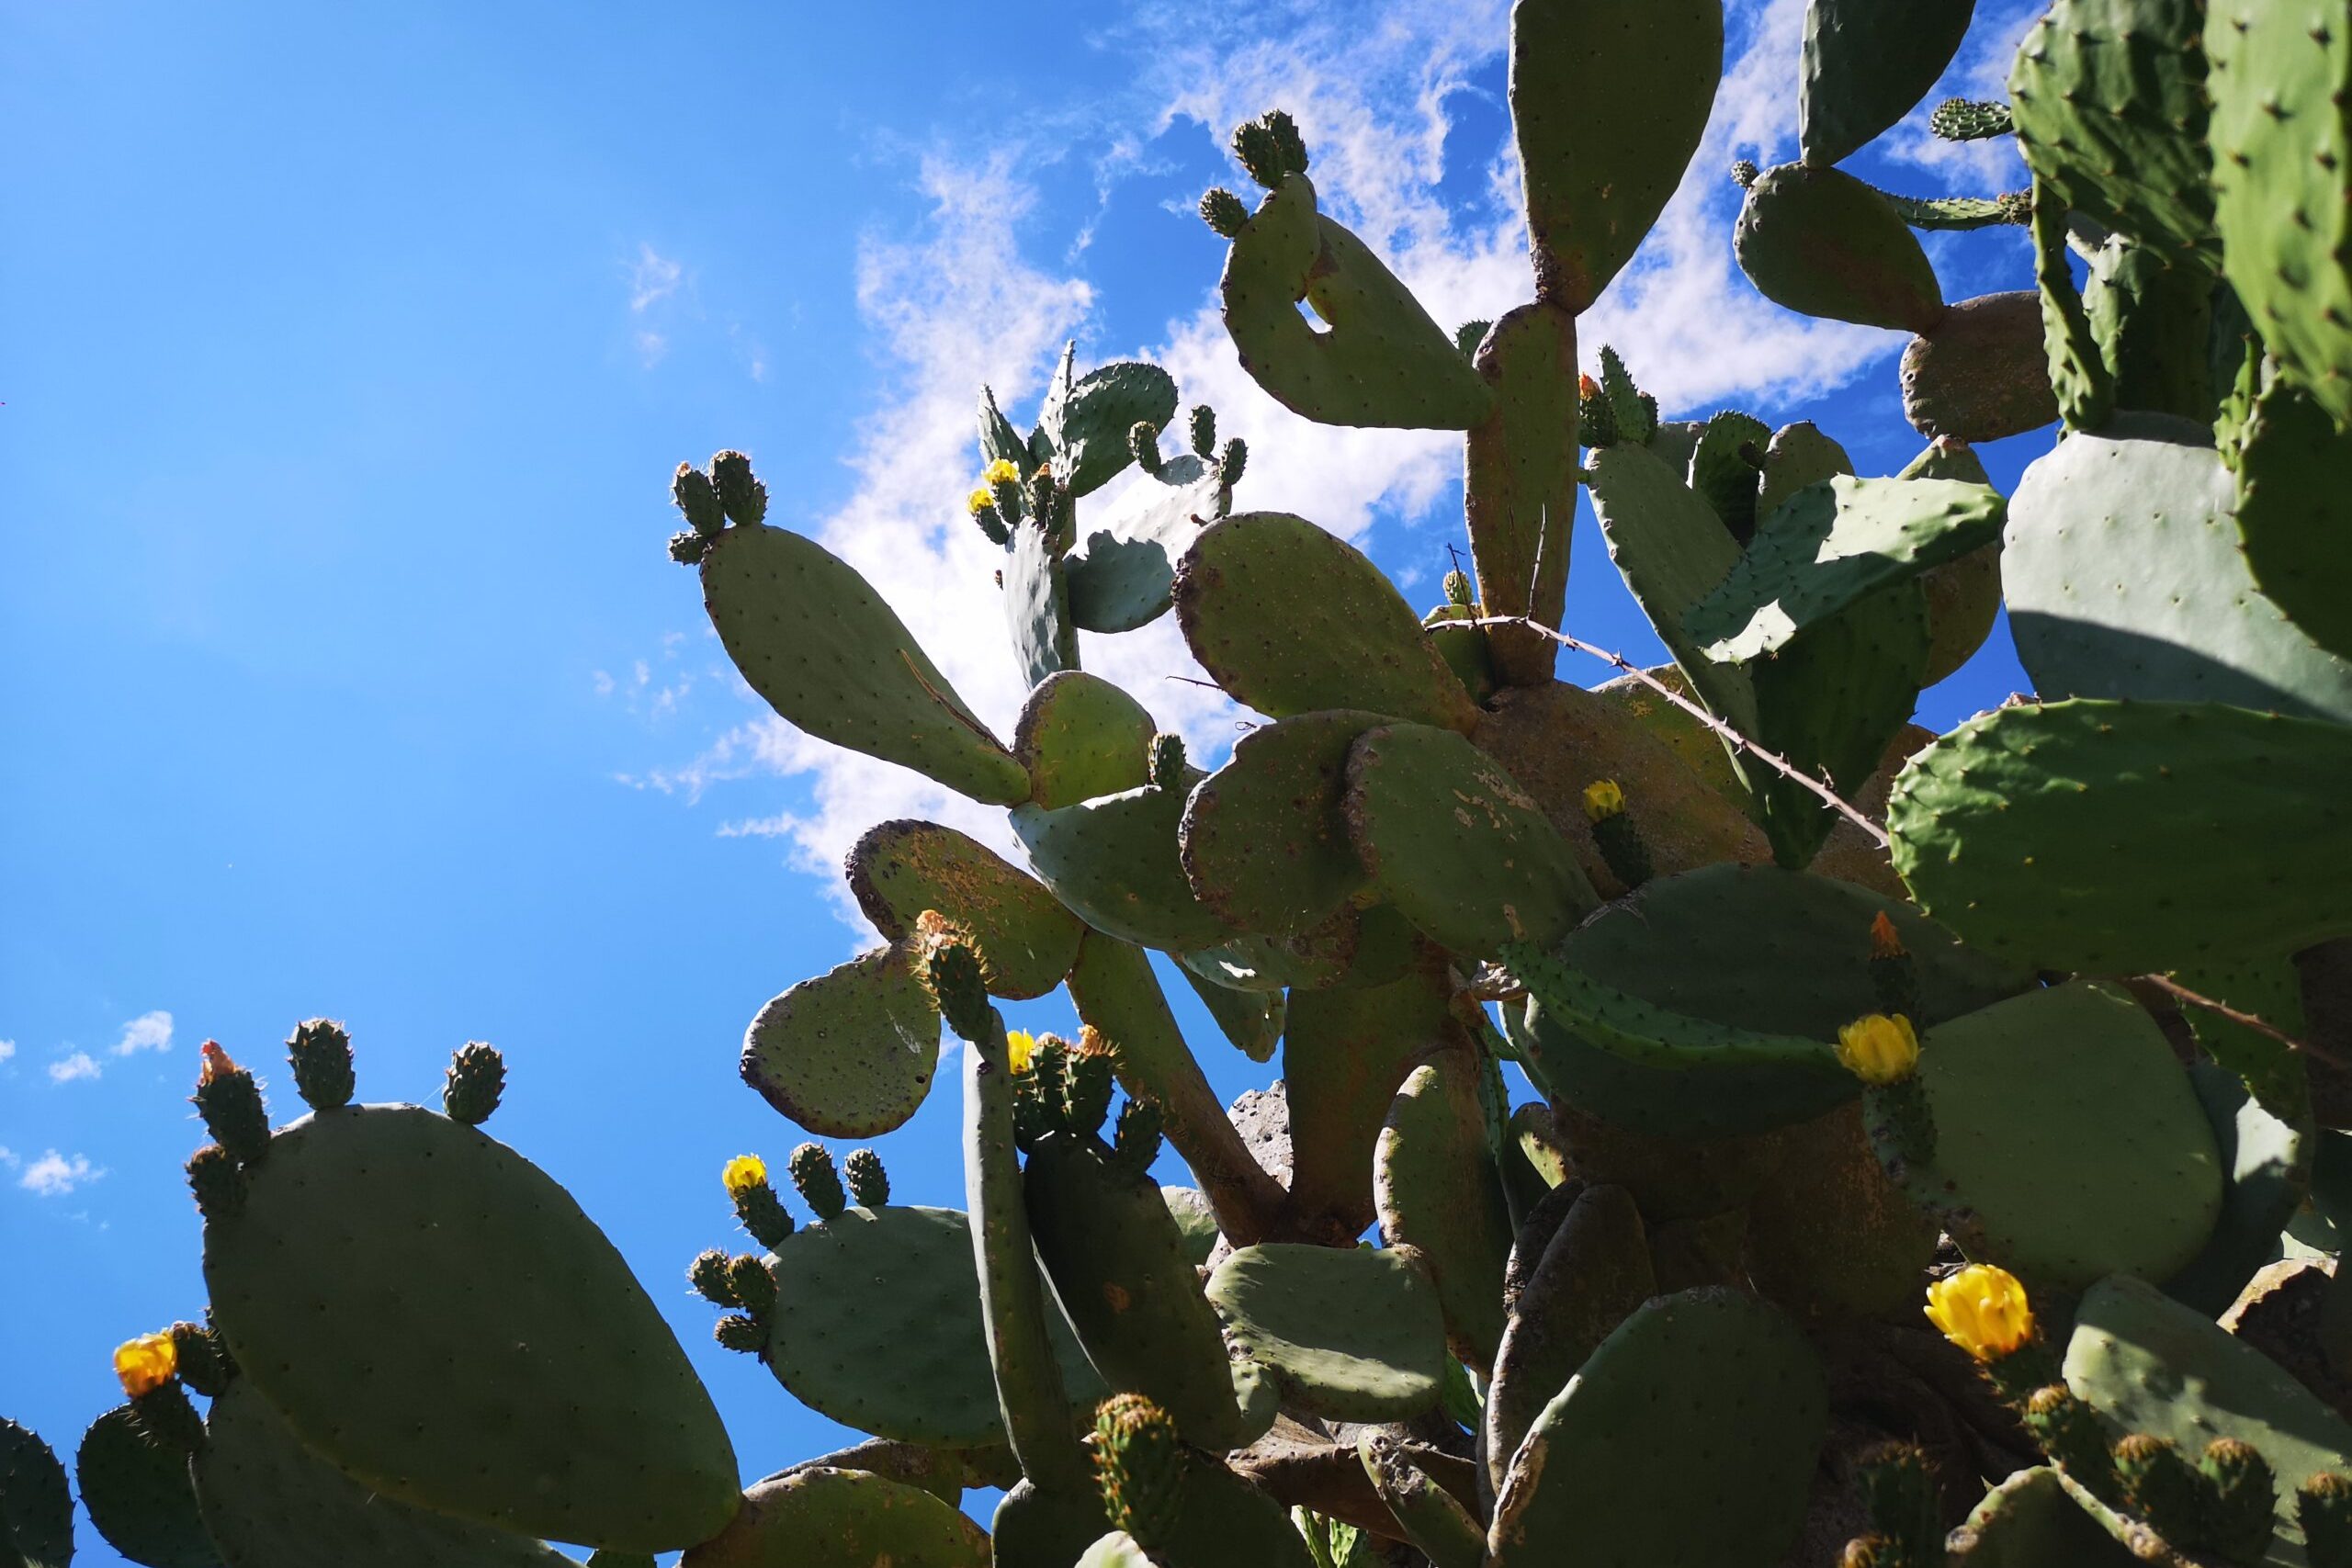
pixel 979 500
pixel 1877 1049
pixel 1885 940
pixel 1018 1046
pixel 1983 1309
pixel 1003 471
pixel 146 1363
pixel 743 1173
pixel 1603 800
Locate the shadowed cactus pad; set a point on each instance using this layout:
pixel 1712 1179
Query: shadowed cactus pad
pixel 139 1497
pixel 1350 1335
pixel 824 1516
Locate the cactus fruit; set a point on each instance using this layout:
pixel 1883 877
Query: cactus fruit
pixel 869 1184
pixel 477 1077
pixel 1140 1462
pixel 229 1103
pixel 319 1052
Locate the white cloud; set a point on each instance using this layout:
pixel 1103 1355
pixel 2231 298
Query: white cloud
pixel 54 1175
pixel 148 1031
pixel 80 1065
pixel 7 1049
pixel 653 278
pixel 8 1157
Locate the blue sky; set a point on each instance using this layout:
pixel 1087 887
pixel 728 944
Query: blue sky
pixel 347 353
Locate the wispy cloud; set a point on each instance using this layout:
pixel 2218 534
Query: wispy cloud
pixel 7 1049
pixel 653 278
pixel 54 1175
pixel 79 1064
pixel 148 1031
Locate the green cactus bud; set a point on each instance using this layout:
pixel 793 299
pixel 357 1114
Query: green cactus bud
pixel 1595 416
pixel 202 1357
pixel 1960 120
pixel 2164 1489
pixel 739 1331
pixel 1200 429
pixel 2068 1432
pixel 1469 335
pixel 477 1077
pixel 219 1183
pixel 1898 1490
pixel 814 1178
pixel 166 1420
pixel 1224 212
pixel 2323 1507
pixel 951 974
pixel 1232 462
pixel 1134 1141
pixel 1270 148
pixel 1139 1463
pixel 1165 760
pixel 1458 588
pixel 688 547
pixel 743 498
pixel 1289 145
pixel 762 1214
pixel 708 1275
pixel 1031 1117
pixel 869 1184
pixel 230 1103
pixel 1634 411
pixel 698 500
pixel 2245 1495
pixel 1895 974
pixel 320 1054
pixel 1143 443
pixel 1744 172
pixel 754 1287
pixel 1087 1090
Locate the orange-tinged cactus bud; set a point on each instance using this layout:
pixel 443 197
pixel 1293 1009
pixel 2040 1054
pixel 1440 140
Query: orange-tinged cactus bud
pixel 1885 940
pixel 1877 1049
pixel 1983 1310
pixel 215 1063
pixel 146 1363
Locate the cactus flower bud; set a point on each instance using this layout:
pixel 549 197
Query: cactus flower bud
pixel 951 973
pixel 698 500
pixel 743 498
pixel 2069 1434
pixel 1895 973
pixel 219 1184
pixel 230 1104
pixel 1744 172
pixel 688 547
pixel 146 1363
pixel 476 1078
pixel 1165 760
pixel 743 1172
pixel 1224 212
pixel 869 1184
pixel 2243 1494
pixel 1139 1463
pixel 1020 1049
pixel 754 1287
pixel 203 1358
pixel 2164 1489
pixel 1885 940
pixel 1135 1140
pixel 1983 1309
pixel 1231 460
pixel 319 1052
pixel 2323 1507
pixel 1603 800
pixel 708 1274
pixel 1199 430
pixel 1595 415
pixel 979 500
pixel 1458 588
pixel 739 1331
pixel 1877 1049
pixel 813 1176
pixel 1898 1491
pixel 1086 1083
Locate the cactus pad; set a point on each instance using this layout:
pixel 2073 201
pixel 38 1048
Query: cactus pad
pixel 1352 642
pixel 1080 737
pixel 1453 841
pixel 1438 1190
pixel 1036 605
pixel 490 1305
pixel 1344 1055
pixel 1866 64
pixel 1086 419
pixel 2029 1520
pixel 1980 374
pixel 813 638
pixel 850 1054
pixel 821 1517
pixel 2292 516
pixel 1114 862
pixel 1706 1394
pixel 139 1497
pixel 1350 1335
pixel 1027 940
pixel 36 1509
pixel 1520 484
pixel 1120 574
pixel 2069 1145
pixel 1264 843
pixel 1820 242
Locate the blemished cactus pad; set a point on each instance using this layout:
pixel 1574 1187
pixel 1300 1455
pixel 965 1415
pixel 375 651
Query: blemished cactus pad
pixel 1380 360
pixel 2125 580
pixel 1519 485
pixel 1866 64
pixel 1708 1394
pixel 822 647
pixel 270 1502
pixel 1264 842
pixel 878 1325
pixel 851 1054
pixel 1601 157
pixel 35 1508
pixel 1080 737
pixel 2029 1520
pixel 1350 1334
pixel 139 1497
pixel 1438 1190
pixel 490 1305
pixel 1345 1052
pixel 899 869
pixel 2107 1165
pixel 826 1516
pixel 1980 374
pixel 2048 834
pixel 1354 643
pixel 2149 1364
pixel 1114 862
pixel 1820 242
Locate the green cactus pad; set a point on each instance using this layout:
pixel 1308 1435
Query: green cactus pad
pixel 998 440
pixel 1799 456
pixel 1590 1275
pixel 1114 861
pixel 1963 595
pixel 2093 801
pixel 827 1517
pixel 899 869
pixel 1195 1221
pixel 1381 360
pixel 2124 579
pixel 1831 545
pixel 1350 1335
pixel 1608 99
pixel 1264 842
pixel 2152 312
pixel 1086 419
pixel 1866 64
pixel 1981 373
pixel 270 1502
pixel 1820 242
pixel 1520 483
pixel 2293 515
pixel 878 1325
pixel 2283 147
pixel 1707 1397
pixel 2030 1521
pixel 1437 1188
pixel 488 1305
pixel 1353 642
pixel 1080 737
pixel 139 1497
pixel 850 1054
pixel 1344 1056
pixel 1124 1274
pixel 2069 1145
pixel 1313 960
pixel 1651 1070
pixel 1223 1521
pixel 813 638
pixel 36 1509
pixel 1452 840
pixel 2149 1364
pixel 1725 479
pixel 1250 1017
pixel 1120 574
pixel 1036 606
